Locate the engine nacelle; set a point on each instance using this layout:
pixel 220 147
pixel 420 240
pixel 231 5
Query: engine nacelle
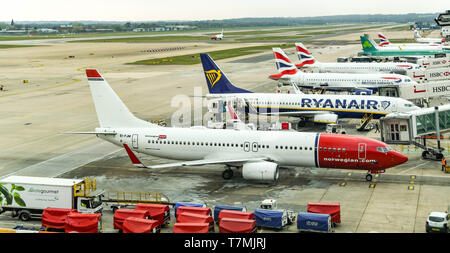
pixel 363 92
pixel 264 171
pixel 325 118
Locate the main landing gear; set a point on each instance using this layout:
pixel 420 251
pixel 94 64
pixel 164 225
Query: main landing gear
pixel 227 174
pixel 369 177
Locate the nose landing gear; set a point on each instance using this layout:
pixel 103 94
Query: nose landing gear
pixel 369 176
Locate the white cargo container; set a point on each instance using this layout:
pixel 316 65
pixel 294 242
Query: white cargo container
pixel 27 197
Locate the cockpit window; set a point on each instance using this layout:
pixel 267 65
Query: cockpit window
pixel 384 149
pixel 407 80
pixel 408 105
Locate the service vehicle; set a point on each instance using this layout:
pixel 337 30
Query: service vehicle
pixel 313 222
pixel 438 222
pixel 268 215
pixel 27 197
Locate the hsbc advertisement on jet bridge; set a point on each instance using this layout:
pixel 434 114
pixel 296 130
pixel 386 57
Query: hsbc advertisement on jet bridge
pixel 425 90
pixel 431 74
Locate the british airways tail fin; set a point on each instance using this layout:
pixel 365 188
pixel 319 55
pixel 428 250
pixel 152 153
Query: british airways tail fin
pixel 216 80
pixel 284 65
pixel 383 40
pixel 305 57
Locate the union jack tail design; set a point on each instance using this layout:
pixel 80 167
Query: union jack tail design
pixel 284 65
pixel 304 55
pixel 383 40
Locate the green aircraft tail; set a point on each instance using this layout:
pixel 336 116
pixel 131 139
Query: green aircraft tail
pixel 367 44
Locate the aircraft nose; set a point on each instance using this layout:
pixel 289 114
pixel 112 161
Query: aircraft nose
pixel 398 158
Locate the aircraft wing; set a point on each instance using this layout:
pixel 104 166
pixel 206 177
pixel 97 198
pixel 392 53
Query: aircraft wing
pixel 104 133
pixel 136 162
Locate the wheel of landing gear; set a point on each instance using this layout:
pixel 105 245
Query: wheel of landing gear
pixel 227 174
pixel 369 177
pixel 424 154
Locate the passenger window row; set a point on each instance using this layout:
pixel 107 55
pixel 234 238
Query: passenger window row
pixel 332 149
pixel 293 148
pixel 193 143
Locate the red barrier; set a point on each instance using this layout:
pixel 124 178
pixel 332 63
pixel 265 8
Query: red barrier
pixel 121 214
pixel 138 225
pixel 55 217
pixel 229 225
pixel 82 223
pixel 157 212
pixel 333 209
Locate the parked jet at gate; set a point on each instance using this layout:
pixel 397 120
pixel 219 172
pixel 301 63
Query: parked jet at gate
pixel 384 42
pixel 321 108
pixel 288 74
pixel 218 36
pixel 307 60
pixel 372 49
pixel 258 153
pixel 419 39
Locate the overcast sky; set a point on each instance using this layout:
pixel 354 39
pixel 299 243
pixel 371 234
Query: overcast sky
pixel 153 10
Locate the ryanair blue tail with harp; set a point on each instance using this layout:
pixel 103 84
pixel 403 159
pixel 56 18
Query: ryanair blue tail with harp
pixel 322 108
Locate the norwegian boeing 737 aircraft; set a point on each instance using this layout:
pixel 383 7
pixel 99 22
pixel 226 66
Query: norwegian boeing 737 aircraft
pixel 307 60
pixel 258 153
pixel 218 36
pixel 288 74
pixel 321 108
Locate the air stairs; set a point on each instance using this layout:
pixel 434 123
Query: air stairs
pixel 365 121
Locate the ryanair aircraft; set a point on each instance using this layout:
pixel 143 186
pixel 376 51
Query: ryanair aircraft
pixel 321 108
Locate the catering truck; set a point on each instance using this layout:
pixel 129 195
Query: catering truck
pixel 27 197
pixel 269 216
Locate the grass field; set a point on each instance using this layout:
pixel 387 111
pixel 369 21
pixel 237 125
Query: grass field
pixel 190 59
pixel 272 38
pixel 14 46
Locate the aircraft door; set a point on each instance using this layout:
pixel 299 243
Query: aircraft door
pixel 246 146
pixel 134 141
pixel 362 148
pixel 255 147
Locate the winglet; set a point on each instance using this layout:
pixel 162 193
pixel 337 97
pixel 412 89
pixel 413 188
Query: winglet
pixel 134 160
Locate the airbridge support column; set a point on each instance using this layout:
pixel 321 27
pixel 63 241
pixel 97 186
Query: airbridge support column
pixel 438 132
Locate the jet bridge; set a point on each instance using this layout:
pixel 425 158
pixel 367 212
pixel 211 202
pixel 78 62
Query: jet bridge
pixel 414 127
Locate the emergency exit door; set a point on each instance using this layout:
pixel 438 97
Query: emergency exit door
pixel 134 141
pixel 362 148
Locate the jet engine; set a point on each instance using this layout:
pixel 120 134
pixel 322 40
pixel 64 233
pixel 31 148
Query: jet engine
pixel 264 171
pixel 363 92
pixel 325 118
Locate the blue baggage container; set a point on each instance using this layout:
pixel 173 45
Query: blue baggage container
pixel 269 218
pixel 314 222
pixel 178 204
pixel 219 208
